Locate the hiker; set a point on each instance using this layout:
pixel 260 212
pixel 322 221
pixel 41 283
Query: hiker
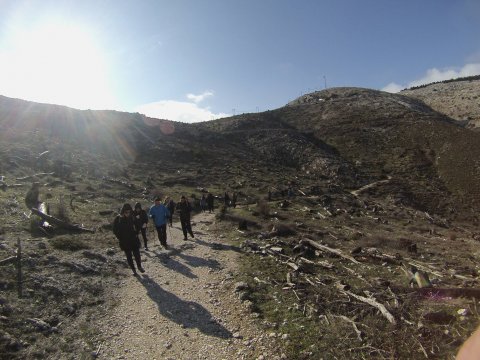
pixel 124 230
pixel 203 203
pixel 234 199
pixel 210 202
pixel 185 209
pixel 290 192
pixel 170 204
pixel 227 199
pixel 160 214
pixel 140 219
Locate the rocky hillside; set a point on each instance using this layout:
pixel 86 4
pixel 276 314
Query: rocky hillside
pixel 459 99
pixel 383 177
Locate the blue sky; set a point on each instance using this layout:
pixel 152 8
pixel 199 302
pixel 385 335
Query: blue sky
pixel 196 60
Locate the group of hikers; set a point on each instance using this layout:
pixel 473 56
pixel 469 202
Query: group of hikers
pixel 131 222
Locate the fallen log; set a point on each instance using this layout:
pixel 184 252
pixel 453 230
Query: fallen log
pixel 61 223
pixel 327 249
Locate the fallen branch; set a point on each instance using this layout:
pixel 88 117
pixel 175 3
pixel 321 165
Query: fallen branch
pixel 374 303
pixel 34 175
pixel 7 260
pixel 60 223
pixel 326 248
pixel 354 325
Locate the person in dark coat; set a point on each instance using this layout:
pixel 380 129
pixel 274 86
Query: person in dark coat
pixel 124 230
pixel 140 219
pixel 210 202
pixel 203 203
pixel 234 199
pixel 170 204
pixel 227 199
pixel 184 208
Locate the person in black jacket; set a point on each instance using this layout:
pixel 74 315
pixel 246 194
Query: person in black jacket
pixel 124 230
pixel 185 209
pixel 170 204
pixel 140 219
pixel 210 202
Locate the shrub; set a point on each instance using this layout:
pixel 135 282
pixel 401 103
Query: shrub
pixel 69 243
pixel 221 213
pixel 61 211
pixel 263 208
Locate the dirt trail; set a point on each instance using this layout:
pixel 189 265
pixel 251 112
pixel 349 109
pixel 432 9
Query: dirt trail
pixel 184 306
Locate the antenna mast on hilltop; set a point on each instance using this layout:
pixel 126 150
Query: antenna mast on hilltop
pixel 325 81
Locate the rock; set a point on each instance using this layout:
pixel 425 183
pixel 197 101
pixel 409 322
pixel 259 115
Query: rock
pixel 237 335
pixel 243 295
pixel 439 317
pixel 40 325
pixel 241 285
pixel 11 343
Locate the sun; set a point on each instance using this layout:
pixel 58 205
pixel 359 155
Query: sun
pixel 55 62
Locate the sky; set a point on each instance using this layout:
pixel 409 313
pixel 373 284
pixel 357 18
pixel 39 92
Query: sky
pixel 198 60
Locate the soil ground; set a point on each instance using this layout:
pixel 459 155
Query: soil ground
pixel 184 306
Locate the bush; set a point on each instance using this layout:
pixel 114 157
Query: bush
pixel 61 211
pixel 263 208
pixel 221 213
pixel 69 243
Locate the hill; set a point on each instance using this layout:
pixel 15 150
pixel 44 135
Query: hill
pixel 340 192
pixel 457 98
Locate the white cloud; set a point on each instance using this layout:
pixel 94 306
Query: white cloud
pixel 393 88
pixel 199 98
pixel 178 111
pixel 434 75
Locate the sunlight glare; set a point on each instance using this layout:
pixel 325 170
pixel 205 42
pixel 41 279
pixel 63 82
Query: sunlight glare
pixel 56 63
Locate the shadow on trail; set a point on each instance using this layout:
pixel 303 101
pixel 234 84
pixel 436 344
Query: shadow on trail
pixel 199 262
pixel 189 314
pixel 218 246
pixel 191 260
pixel 174 265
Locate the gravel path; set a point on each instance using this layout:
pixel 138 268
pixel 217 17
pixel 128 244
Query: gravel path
pixel 184 306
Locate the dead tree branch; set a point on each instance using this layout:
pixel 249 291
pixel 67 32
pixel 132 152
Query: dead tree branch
pixel 374 303
pixel 60 223
pixel 327 249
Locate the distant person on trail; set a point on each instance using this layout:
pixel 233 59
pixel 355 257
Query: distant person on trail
pixel 170 204
pixel 185 209
pixel 203 203
pixel 140 219
pixel 234 199
pixel 124 230
pixel 227 199
pixel 160 214
pixel 210 202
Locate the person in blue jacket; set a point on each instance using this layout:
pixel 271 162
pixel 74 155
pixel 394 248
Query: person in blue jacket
pixel 160 214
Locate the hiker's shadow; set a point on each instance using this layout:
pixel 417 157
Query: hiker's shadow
pixel 188 314
pixel 218 246
pixel 199 262
pixel 175 265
